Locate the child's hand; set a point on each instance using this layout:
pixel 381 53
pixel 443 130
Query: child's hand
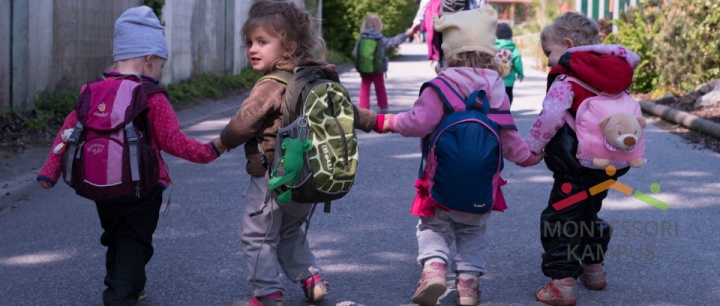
pixel 538 158
pixel 386 123
pixel 410 32
pixel 218 144
pixel 44 184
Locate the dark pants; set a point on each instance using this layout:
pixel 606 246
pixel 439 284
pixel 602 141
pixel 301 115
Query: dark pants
pixel 128 230
pixel 509 90
pixel 437 42
pixel 575 234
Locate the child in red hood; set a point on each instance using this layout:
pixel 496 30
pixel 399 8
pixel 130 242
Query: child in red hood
pixel 571 46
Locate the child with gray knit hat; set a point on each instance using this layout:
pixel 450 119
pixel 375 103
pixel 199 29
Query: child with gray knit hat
pixel 140 52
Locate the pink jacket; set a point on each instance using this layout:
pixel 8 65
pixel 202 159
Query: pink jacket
pixel 166 136
pixel 428 111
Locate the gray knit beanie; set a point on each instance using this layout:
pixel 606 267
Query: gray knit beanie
pixel 138 32
pixel 503 31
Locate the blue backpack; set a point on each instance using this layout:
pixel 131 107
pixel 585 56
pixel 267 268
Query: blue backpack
pixel 464 153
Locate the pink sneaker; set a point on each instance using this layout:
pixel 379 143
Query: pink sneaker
pixel 432 285
pixel 315 287
pixel 273 299
pixel 468 291
pixel 594 277
pixel 557 293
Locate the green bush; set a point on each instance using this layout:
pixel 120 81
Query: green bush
pixel 342 20
pixel 51 108
pixel 206 86
pixel 337 58
pixel 678 43
pixel 636 31
pixel 707 33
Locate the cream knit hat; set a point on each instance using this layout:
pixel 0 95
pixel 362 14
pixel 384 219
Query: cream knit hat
pixel 472 30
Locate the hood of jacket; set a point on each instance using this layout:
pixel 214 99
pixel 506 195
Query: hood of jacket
pixel 505 44
pixel 371 33
pixel 609 68
pixel 468 79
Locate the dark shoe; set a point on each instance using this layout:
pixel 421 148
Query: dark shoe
pixel 142 296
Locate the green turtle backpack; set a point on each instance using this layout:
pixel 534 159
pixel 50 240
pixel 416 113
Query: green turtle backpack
pixel 317 111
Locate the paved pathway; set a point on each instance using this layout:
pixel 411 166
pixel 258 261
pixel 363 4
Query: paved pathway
pixel 50 252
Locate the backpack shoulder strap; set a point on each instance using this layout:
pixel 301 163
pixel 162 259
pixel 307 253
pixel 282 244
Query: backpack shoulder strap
pixel 445 90
pixel 151 88
pixel 281 76
pixel 583 84
pixel 447 93
pixel 294 91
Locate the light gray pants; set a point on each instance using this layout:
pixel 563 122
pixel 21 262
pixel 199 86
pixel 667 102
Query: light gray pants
pixel 436 234
pixel 273 240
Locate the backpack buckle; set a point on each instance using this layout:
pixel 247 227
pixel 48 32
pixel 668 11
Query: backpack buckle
pixel 130 133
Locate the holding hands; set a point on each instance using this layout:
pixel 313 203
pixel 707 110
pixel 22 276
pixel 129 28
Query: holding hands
pixel 538 157
pixel 383 123
pixel 386 123
pixel 218 144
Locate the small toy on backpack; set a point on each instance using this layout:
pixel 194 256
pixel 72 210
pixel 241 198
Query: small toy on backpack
pixel 292 163
pixel 623 132
pixel 504 57
pixel 61 146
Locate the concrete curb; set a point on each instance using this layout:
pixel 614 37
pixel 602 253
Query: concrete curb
pixel 680 117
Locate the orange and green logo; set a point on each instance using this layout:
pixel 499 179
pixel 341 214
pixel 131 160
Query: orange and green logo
pixel 606 185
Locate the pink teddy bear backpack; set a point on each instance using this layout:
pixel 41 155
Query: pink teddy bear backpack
pixel 596 147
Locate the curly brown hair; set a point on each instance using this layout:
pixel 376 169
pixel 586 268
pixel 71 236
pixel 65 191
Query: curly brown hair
pixel 292 25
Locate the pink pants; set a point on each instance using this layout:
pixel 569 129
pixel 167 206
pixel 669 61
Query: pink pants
pixel 379 81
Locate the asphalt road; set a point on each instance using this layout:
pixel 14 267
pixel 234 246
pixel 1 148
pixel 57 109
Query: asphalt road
pixel 50 252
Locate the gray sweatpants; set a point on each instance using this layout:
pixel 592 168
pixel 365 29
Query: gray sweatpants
pixel 436 234
pixel 274 240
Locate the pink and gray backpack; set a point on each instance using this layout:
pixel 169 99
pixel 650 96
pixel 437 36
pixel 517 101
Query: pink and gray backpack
pixel 110 156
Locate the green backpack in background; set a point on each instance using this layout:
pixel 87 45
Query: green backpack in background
pixel 369 57
pixel 319 110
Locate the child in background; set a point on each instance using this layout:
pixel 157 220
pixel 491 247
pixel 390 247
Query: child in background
pixel 504 42
pixel 468 44
pixel 571 46
pixel 370 29
pixel 278 36
pixel 140 52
